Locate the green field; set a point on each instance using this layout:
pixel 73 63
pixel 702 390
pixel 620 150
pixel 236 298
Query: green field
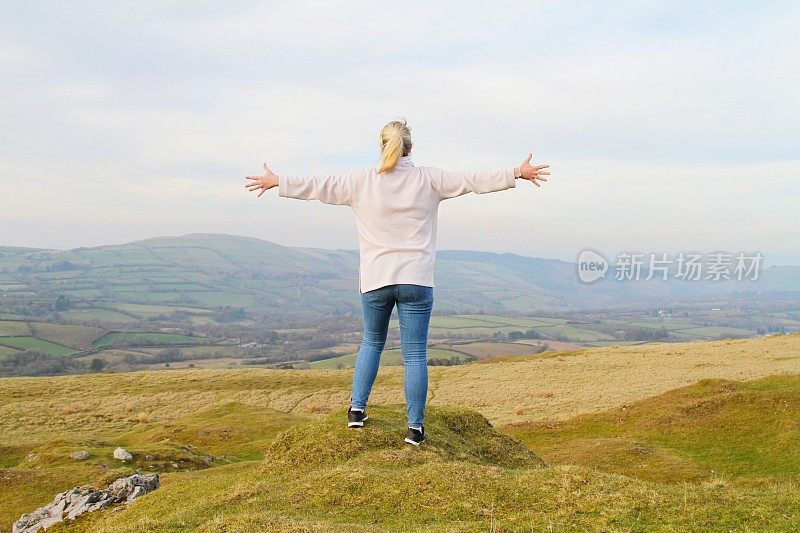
pixel 489 324
pixel 126 338
pixel 481 323
pixel 521 322
pixel 102 315
pixel 11 316
pixel 7 350
pixel 53 339
pixel 74 335
pixel 574 333
pixel 690 331
pixel 215 298
pixel 144 310
pixel 39 345
pixel 710 332
pixel 392 357
pixel 226 351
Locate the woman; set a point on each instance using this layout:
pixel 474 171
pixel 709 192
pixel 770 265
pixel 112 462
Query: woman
pixel 396 210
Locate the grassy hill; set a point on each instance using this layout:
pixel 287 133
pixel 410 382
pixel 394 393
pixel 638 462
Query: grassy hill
pixel 200 271
pixel 194 273
pixel 695 436
pixel 203 300
pixel 469 477
pixel 732 430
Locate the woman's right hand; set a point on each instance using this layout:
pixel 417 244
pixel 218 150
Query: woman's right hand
pixel 533 173
pixel 263 183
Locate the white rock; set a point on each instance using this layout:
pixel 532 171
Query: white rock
pixel 122 454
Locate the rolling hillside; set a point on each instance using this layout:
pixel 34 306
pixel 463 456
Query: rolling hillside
pixel 322 477
pixel 738 431
pixel 678 436
pixel 197 272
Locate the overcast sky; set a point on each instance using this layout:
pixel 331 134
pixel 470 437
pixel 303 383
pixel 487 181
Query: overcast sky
pixel 669 126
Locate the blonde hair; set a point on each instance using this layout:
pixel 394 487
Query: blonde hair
pixel 395 140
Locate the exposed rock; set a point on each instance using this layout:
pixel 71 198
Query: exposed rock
pixel 80 455
pixel 149 457
pixel 130 488
pixel 122 454
pixel 84 499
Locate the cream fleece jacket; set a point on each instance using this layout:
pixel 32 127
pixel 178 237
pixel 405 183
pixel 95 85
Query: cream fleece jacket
pixel 396 213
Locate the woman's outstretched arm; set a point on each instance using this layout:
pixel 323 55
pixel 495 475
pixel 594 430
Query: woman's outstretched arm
pixel 335 189
pixel 450 184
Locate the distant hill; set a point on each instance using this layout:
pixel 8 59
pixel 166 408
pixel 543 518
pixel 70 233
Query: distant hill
pixel 208 270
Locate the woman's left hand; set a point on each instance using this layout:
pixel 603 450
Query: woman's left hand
pixel 533 173
pixel 265 182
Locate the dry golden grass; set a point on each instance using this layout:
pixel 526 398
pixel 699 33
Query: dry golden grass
pixel 97 405
pixel 223 412
pixel 588 380
pixel 596 379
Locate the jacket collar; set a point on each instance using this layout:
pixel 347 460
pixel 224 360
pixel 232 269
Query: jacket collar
pixel 404 162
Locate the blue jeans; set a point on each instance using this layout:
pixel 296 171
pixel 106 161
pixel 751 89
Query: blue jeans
pixel 414 305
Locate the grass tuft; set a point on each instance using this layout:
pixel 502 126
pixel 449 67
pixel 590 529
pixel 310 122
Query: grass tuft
pixel 452 434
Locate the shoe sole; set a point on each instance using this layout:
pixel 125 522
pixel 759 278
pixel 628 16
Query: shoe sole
pixel 357 424
pixel 414 443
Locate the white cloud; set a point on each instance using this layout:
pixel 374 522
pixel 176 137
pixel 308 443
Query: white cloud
pixel 665 124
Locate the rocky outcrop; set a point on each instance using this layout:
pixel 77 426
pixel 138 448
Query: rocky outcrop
pixel 80 455
pixel 84 499
pixel 122 454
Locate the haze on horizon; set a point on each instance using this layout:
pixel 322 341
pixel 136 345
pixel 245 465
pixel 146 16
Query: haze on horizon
pixel 669 127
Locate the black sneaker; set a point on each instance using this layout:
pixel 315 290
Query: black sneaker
pixel 355 419
pixel 415 436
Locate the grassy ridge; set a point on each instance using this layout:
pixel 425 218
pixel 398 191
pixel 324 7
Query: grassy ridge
pixel 468 477
pixel 742 431
pixel 226 433
pixel 614 470
pixel 207 269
